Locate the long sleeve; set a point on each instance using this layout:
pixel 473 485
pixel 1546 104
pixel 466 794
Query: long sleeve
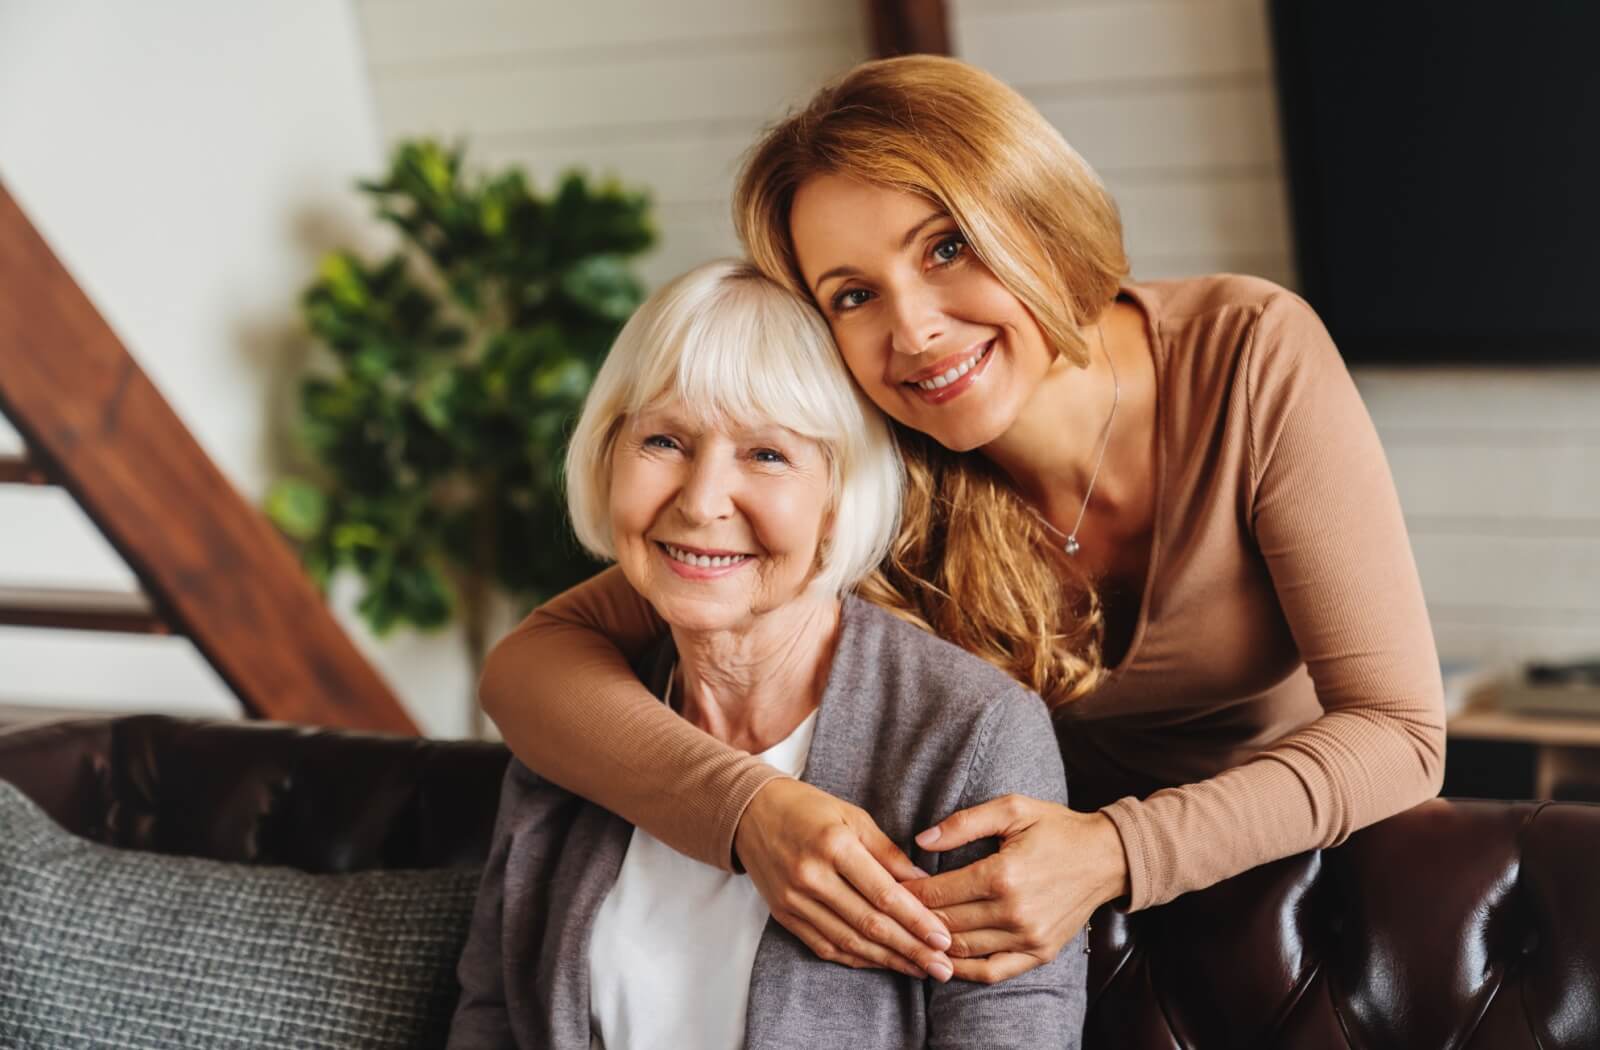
pixel 1044 1007
pixel 1327 521
pixel 565 698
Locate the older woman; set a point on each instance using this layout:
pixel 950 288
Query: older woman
pixel 743 486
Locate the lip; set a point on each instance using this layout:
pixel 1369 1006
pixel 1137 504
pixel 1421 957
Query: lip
pixel 697 572
pixel 960 386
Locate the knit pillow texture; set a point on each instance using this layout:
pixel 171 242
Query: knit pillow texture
pixel 103 947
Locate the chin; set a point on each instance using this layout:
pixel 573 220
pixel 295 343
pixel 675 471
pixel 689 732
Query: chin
pixel 698 615
pixel 973 432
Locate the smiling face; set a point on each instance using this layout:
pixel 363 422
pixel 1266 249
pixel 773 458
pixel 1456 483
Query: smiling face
pixel 930 334
pixel 716 525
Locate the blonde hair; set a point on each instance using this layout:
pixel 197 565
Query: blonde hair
pixel 730 346
pixel 1035 213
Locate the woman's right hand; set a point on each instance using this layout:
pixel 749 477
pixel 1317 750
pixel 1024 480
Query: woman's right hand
pixel 832 879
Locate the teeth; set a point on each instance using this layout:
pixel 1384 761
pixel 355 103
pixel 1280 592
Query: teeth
pixel 955 373
pixel 703 561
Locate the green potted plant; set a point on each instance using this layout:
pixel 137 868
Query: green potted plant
pixel 432 430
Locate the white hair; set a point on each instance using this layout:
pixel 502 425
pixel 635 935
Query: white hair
pixel 735 348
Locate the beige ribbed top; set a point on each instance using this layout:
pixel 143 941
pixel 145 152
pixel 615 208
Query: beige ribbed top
pixel 1281 690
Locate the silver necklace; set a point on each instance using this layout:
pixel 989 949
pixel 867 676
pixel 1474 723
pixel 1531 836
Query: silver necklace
pixel 1069 540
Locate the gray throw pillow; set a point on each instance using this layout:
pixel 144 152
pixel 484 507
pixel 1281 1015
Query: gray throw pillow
pixel 103 947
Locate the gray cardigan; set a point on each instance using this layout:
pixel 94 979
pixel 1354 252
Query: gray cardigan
pixel 911 729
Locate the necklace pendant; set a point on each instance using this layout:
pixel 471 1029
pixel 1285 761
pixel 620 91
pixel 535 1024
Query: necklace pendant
pixel 1071 546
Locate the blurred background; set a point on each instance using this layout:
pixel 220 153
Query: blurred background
pixel 193 163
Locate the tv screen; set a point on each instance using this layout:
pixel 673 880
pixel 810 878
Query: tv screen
pixel 1444 175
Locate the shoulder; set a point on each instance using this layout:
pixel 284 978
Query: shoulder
pixel 933 687
pixel 1210 330
pixel 914 725
pixel 1184 300
pixel 910 658
pixel 1222 331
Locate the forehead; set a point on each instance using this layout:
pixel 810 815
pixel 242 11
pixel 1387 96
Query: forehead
pixel 838 220
pixel 703 420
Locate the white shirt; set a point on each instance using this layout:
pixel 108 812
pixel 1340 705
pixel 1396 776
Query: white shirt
pixel 674 942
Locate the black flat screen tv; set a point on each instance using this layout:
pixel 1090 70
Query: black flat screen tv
pixel 1444 175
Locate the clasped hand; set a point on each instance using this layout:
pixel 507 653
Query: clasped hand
pixel 835 881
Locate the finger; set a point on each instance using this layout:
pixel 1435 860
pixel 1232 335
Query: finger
pixel 877 889
pixel 966 885
pixel 994 968
pixel 1001 816
pixel 975 944
pixel 824 949
pixel 844 939
pixel 892 857
pixel 868 923
pixel 982 915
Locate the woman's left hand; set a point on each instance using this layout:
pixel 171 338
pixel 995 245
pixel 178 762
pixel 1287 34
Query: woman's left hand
pixel 1016 909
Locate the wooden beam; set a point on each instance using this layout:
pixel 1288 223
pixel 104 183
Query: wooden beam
pixel 208 559
pixel 908 27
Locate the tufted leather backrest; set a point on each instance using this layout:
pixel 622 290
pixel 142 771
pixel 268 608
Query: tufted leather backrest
pixel 1456 924
pixel 262 793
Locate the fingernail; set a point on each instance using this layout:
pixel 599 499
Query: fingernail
pixel 941 972
pixel 920 873
pixel 939 940
pixel 929 837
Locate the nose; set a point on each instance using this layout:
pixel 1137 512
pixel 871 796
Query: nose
pixel 707 492
pixel 918 322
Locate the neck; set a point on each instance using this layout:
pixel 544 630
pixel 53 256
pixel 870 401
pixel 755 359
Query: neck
pixel 752 686
pixel 1050 451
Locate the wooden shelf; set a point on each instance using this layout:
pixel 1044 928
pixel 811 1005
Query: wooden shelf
pixel 20 470
pixel 1566 749
pixel 79 610
pixel 1488 723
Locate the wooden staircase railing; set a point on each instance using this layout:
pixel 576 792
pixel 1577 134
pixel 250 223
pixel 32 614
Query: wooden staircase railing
pixel 209 564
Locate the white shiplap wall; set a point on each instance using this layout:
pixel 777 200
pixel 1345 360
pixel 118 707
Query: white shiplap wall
pixel 1498 469
pixel 666 95
pixel 1170 100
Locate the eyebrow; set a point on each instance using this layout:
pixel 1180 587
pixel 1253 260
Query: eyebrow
pixel 905 242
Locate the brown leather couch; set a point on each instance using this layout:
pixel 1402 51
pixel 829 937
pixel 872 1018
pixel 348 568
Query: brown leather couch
pixel 1457 924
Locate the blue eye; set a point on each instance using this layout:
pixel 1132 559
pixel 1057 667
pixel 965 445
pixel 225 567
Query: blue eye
pixel 848 299
pixel 659 441
pixel 769 455
pixel 949 249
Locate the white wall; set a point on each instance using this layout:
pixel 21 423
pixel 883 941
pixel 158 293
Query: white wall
pixel 665 94
pixel 188 161
pixel 1498 468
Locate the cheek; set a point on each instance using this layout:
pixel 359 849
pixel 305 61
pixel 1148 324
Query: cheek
pixel 789 521
pixel 863 356
pixel 633 500
pixel 864 364
pixel 996 302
